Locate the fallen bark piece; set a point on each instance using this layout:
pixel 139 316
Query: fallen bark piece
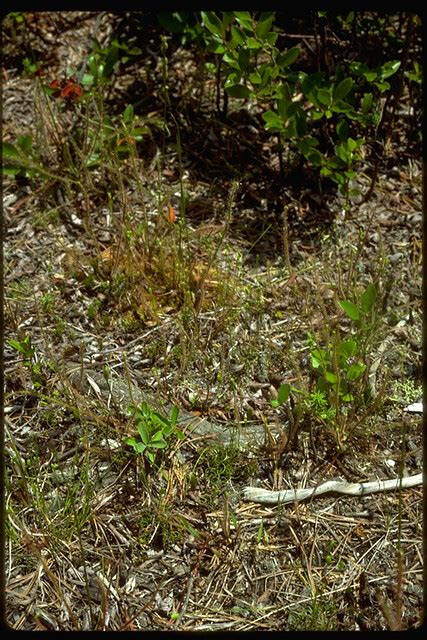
pixel 264 496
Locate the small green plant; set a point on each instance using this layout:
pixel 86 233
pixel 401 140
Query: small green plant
pixel 93 309
pixel 160 525
pixel 104 62
pixel 320 614
pixel 30 362
pixel 340 167
pixel 60 327
pixel 220 464
pixel 340 367
pixel 406 391
pixel 25 347
pixel 155 431
pixel 262 536
pixel 44 218
pixel 19 159
pixel 95 140
pixel 112 138
pixel 336 368
pixel 341 384
pixel 47 301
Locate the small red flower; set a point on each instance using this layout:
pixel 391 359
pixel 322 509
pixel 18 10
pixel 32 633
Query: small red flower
pixel 55 84
pixel 68 89
pixel 72 90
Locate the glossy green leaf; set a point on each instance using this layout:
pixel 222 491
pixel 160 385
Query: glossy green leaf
pixel 167 430
pixel 213 23
pixel 237 36
pixel 227 18
pixel 300 118
pixel 253 44
pixel 88 79
pixel 284 91
pixel 255 77
pixel 370 75
pixel 305 145
pixel 282 107
pixel 311 81
pixel 271 38
pixel 265 73
pixel 352 144
pixel 324 97
pixel 350 309
pixel 272 121
pixel 151 456
pixel 367 102
pixel 214 46
pixel 316 115
pixel 144 433
pixel 349 112
pixel 244 18
pixel 319 358
pixel 8 150
pixel 343 154
pixel 238 91
pixel 367 300
pixel 230 58
pixel 289 57
pixel 314 156
pixel 110 62
pixel 128 114
pixel 264 24
pixel 175 21
pixel 389 68
pixel 343 89
pixel 330 377
pixel 355 371
pixel 157 438
pixel 382 86
pixel 243 59
pixel 342 129
pixel 174 415
pixel 347 348
pixel 283 393
pixel 159 419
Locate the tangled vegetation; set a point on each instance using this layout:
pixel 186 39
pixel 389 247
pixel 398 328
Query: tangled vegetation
pixel 212 279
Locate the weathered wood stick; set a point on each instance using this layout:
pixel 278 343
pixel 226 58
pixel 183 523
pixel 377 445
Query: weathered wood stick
pixel 265 496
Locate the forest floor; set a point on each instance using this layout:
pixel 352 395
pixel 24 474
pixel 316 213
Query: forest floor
pixel 210 308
